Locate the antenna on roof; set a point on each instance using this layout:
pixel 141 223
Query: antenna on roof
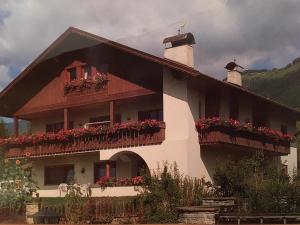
pixel 181 27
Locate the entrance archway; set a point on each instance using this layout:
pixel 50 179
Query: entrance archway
pixel 129 164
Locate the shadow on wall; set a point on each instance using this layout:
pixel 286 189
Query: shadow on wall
pixel 212 156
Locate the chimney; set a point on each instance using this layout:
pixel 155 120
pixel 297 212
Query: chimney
pixel 233 74
pixel 179 49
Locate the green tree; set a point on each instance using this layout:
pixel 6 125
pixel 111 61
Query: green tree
pixel 17 186
pixel 263 185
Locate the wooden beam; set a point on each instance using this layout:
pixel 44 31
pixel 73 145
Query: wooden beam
pixel 16 126
pixel 66 119
pixel 76 101
pixel 111 112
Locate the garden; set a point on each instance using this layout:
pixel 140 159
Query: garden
pixel 258 186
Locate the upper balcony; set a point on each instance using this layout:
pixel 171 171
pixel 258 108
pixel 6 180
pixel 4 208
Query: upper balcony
pixel 140 133
pixel 214 132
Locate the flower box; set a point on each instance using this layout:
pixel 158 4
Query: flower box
pixel 214 131
pixel 137 133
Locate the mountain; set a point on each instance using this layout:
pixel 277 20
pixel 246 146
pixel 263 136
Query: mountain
pixel 282 85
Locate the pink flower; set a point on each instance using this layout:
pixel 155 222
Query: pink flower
pixel 205 124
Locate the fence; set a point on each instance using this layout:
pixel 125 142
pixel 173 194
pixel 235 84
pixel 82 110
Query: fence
pixel 103 209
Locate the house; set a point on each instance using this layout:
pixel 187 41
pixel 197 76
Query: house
pixel 99 109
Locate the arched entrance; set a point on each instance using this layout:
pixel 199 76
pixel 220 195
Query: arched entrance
pixel 129 164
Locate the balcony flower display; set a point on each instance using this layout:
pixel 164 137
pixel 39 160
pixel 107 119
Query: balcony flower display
pixel 146 126
pixel 98 83
pixel 120 182
pixel 205 125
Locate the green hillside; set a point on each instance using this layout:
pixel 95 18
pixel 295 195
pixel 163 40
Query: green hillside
pixel 282 85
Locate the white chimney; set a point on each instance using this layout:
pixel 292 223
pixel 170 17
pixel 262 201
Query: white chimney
pixel 233 75
pixel 179 49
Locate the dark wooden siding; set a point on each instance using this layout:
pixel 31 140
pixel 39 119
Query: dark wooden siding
pixel 128 77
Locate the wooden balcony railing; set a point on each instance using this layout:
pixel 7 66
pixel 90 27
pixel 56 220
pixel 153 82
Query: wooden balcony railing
pixel 241 140
pixel 90 143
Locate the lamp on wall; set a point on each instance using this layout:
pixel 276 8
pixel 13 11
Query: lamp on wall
pixel 82 170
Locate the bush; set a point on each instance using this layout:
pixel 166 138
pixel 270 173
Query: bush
pixel 17 186
pixel 263 186
pixel 166 189
pixel 78 208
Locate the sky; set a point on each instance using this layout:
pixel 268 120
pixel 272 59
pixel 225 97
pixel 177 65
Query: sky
pixel 259 34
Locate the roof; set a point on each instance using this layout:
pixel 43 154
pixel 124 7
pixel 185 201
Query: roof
pixel 69 40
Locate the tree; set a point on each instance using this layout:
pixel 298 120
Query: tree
pixel 263 185
pixel 17 186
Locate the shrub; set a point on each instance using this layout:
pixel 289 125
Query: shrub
pixel 16 184
pixel 77 206
pixel 263 186
pixel 167 189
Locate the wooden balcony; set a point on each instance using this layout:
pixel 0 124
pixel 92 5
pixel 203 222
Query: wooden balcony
pixel 244 141
pixel 90 143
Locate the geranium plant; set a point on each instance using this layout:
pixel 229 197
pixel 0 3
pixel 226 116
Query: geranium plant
pixel 101 81
pixel 215 123
pixel 98 83
pixel 68 135
pixel 105 181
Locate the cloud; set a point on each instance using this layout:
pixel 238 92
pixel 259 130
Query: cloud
pixel 251 30
pixel 4 76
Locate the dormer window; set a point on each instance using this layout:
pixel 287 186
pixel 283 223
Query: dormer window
pixel 72 74
pixel 87 72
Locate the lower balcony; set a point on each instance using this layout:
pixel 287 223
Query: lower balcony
pixel 86 139
pixel 231 134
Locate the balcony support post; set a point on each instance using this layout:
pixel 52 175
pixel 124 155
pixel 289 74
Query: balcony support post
pixel 107 169
pixel 66 119
pixel 111 112
pixel 16 126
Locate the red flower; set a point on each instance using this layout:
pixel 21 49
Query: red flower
pixel 137 180
pixel 204 124
pixel 67 135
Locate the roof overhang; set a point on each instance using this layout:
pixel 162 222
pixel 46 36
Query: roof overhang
pixel 73 39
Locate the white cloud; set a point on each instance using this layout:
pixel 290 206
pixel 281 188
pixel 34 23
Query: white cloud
pixel 248 30
pixel 4 76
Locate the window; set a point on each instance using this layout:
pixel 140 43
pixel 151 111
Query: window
pixel 283 129
pixel 234 106
pixel 87 72
pixel 100 169
pixel 260 120
pixel 55 175
pixel 260 115
pixel 72 74
pixel 55 127
pixel 156 114
pixel 212 103
pixel 199 110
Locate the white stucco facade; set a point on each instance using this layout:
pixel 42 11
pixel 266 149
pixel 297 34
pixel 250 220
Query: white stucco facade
pixel 181 108
pixel 183 103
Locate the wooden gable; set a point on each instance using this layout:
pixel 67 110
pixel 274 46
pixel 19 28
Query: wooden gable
pixel 127 77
